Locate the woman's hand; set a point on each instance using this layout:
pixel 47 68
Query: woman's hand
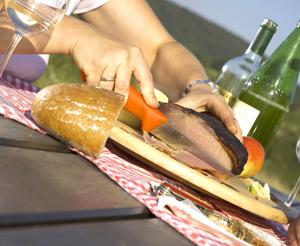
pixel 109 64
pixel 201 98
pixel 294 232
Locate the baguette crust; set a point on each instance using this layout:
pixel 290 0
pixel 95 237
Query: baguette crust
pixel 78 114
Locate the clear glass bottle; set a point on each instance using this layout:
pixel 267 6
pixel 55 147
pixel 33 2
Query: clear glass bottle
pixel 270 91
pixel 237 70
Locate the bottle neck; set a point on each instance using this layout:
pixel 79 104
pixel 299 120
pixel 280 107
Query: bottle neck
pixel 261 40
pixel 251 55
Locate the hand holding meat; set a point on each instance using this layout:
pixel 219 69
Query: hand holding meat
pixel 203 99
pixel 294 232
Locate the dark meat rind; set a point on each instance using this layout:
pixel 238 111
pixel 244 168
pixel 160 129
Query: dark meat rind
pixel 235 149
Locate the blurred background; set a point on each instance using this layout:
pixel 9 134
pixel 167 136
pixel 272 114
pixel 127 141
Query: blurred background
pixel 216 31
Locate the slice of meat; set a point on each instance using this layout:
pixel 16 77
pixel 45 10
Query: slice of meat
pixel 192 161
pixel 182 156
pixel 214 142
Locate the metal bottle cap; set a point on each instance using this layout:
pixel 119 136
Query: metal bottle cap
pixel 269 24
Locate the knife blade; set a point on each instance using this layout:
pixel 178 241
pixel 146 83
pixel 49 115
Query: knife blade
pixel 154 121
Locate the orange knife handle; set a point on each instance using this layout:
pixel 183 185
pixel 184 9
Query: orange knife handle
pixel 150 117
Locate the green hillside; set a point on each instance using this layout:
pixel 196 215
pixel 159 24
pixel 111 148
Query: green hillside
pixel 203 39
pixel 199 35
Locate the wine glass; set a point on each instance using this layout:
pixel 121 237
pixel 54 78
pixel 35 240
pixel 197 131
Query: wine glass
pixel 30 17
pixel 296 187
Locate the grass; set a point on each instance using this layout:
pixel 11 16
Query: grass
pixel 60 69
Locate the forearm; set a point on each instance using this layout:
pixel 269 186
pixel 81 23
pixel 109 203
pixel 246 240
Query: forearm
pixel 174 66
pixel 62 37
pixel 65 35
pixel 59 40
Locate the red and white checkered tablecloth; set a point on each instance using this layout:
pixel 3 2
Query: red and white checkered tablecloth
pixel 127 172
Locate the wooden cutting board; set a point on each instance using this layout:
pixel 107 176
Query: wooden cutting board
pixel 127 139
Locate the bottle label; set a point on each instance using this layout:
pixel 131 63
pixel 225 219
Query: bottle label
pixel 245 114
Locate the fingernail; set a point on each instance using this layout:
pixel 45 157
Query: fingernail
pixel 233 129
pixel 155 102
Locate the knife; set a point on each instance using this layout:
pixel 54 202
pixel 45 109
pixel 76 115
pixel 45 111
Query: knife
pixel 157 123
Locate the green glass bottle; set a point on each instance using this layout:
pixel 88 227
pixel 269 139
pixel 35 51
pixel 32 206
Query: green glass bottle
pixel 270 91
pixel 237 70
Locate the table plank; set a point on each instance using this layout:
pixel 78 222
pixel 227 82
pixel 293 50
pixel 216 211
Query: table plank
pixel 131 232
pixel 13 133
pixel 41 186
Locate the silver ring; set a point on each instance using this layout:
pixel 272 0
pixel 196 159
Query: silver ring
pixel 109 79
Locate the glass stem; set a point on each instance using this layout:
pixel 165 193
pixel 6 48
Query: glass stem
pixel 12 46
pixel 293 194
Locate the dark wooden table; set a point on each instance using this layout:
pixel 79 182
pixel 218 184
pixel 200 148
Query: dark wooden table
pixel 50 196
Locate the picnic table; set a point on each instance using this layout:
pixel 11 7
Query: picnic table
pixel 50 195
pixel 59 198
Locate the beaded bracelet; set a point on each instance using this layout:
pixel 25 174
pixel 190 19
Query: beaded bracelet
pixel 208 82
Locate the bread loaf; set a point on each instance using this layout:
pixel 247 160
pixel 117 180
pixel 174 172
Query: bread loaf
pixel 79 115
